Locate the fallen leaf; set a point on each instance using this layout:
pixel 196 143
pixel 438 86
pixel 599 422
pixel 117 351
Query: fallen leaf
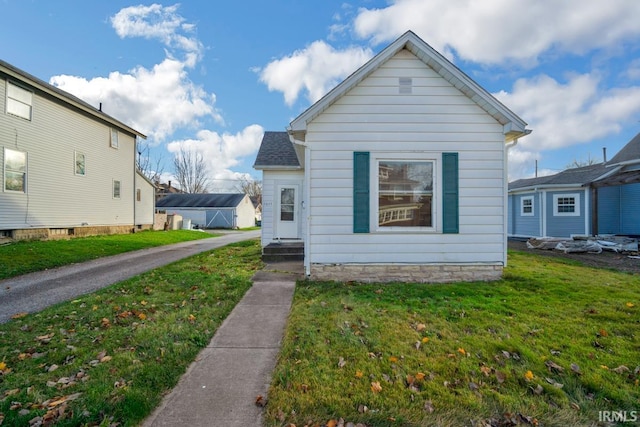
pixel 462 351
pixel 359 374
pixel 528 375
pixel 45 339
pixel 605 367
pixel 142 316
pixel 261 401
pixel 428 406
pixel 376 387
pixel 410 379
pixel 341 362
pixel 393 359
pixel 603 333
pixel 52 368
pixel 501 376
pixel 332 423
pixel 105 323
pixel 362 409
pixel 105 359
pixel 19 315
pixel 425 340
pixel 191 318
pixel 630 305
pixel 485 370
pixel 552 366
pixel 420 376
pixel 421 327
pixel 417 345
pixel 538 390
pixel 576 369
pixel 621 369
pixel 3 366
pixel 554 383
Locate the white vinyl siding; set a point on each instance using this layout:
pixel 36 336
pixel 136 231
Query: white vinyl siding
pixel 270 181
pixel 145 205
pixel 57 198
pixel 434 118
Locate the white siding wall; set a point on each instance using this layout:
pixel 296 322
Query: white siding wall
pixel 435 118
pixel 270 179
pixel 145 208
pixel 55 196
pixel 246 213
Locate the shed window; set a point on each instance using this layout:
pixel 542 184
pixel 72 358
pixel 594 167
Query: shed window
pixel 566 205
pixel 15 170
pixel 116 189
pixel 19 101
pixel 526 206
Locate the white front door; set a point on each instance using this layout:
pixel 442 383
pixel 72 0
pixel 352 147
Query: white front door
pixel 287 212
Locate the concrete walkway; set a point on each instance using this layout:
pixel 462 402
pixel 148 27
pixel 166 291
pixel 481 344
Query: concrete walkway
pixel 35 291
pixel 221 386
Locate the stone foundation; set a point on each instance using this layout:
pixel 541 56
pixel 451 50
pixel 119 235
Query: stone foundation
pixel 414 273
pixel 70 232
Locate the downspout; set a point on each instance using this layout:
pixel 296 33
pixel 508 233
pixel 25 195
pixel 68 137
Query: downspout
pixel 307 208
pixel 505 202
pixel 135 167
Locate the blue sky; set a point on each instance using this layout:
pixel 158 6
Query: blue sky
pixel 212 76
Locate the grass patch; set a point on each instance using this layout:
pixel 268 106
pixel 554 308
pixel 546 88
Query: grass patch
pixel 497 353
pixel 28 256
pixel 109 357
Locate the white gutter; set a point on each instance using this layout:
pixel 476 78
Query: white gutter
pixel 505 201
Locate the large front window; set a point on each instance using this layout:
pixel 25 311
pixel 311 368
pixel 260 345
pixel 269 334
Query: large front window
pixel 15 170
pixel 405 193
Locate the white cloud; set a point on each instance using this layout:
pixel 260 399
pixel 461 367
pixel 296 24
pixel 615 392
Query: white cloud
pixel 157 22
pixel 566 114
pixel 494 31
pixel 313 70
pixel 155 101
pixel 222 152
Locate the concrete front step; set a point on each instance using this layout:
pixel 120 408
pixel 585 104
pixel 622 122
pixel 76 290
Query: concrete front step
pixel 281 252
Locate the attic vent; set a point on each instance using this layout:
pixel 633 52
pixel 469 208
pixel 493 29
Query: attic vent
pixel 405 85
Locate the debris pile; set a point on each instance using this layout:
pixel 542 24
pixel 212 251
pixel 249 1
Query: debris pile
pixel 589 244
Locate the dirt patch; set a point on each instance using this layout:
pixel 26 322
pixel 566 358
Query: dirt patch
pixel 605 259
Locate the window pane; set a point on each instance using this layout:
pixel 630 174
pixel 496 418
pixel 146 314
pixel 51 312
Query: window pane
pixel 14 181
pixel 405 194
pixel 287 200
pixel 80 164
pixel 19 101
pixel 116 189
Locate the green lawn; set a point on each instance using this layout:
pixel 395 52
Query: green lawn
pixel 551 344
pixel 29 256
pixel 108 358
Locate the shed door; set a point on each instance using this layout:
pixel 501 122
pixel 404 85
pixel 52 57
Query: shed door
pixel 287 212
pixel 220 218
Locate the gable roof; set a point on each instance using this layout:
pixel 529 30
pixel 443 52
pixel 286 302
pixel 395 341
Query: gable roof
pixel 276 151
pixel 630 153
pixel 574 177
pixel 212 200
pixel 514 126
pixel 73 102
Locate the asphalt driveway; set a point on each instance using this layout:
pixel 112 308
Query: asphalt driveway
pixel 33 292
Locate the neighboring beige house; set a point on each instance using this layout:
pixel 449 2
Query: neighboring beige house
pixel 397 174
pixel 67 167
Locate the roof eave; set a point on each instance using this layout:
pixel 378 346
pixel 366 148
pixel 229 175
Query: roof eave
pixel 65 97
pixel 277 167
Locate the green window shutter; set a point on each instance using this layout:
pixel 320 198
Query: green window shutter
pixel 360 192
pixel 450 220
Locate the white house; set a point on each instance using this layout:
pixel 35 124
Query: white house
pixel 398 173
pixel 67 167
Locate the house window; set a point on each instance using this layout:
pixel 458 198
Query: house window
pixel 114 138
pixel 15 170
pixel 287 204
pixel 566 205
pixel 138 195
pixel 116 189
pixel 79 164
pixel 405 194
pixel 19 101
pixel 526 206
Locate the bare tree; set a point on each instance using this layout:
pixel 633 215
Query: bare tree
pixel 580 163
pixel 191 171
pixel 148 166
pixel 252 188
